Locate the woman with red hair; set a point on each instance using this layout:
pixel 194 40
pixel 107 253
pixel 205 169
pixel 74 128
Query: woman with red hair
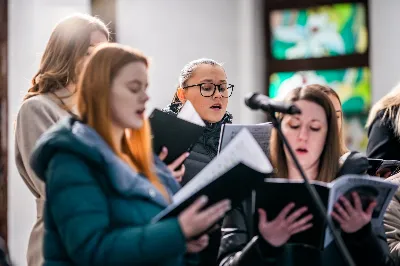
pixel 103 183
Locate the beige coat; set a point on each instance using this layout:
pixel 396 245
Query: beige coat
pixel 392 222
pixel 35 116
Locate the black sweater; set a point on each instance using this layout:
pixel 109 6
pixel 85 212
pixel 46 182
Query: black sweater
pixel 382 142
pixel 202 153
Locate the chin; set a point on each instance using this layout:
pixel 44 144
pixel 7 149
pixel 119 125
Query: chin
pixel 136 125
pixel 214 118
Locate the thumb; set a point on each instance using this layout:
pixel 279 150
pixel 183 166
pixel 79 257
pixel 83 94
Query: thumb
pixel 263 216
pixel 163 154
pixel 371 208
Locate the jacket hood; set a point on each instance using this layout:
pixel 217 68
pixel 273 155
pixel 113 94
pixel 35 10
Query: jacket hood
pixel 68 135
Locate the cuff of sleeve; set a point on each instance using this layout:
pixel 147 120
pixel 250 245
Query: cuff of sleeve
pixel 363 233
pixel 267 251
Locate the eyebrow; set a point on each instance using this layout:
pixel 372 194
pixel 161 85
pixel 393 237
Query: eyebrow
pixel 338 111
pixel 135 81
pixel 297 117
pixel 210 80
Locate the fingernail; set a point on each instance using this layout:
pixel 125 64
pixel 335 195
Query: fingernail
pixel 187 154
pixel 204 199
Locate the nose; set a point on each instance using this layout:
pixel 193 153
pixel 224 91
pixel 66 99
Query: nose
pixel 144 97
pixel 217 93
pixel 303 134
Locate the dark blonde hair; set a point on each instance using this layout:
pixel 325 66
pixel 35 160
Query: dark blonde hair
pixel 67 46
pixel 390 105
pixel 94 106
pixel 329 160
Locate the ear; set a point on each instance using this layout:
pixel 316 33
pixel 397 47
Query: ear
pixel 181 95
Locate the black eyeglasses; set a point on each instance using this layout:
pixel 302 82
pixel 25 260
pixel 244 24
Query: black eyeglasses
pixel 208 89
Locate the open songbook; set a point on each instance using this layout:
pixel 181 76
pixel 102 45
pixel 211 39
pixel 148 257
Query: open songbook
pixel 276 193
pixel 233 174
pixel 261 133
pixel 177 133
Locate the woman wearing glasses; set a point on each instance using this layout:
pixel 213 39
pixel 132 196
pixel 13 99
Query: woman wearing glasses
pixel 204 83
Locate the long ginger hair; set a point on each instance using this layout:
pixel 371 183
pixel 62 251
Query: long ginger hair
pixel 94 108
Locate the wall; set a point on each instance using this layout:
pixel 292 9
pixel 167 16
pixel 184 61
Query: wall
pixel 175 32
pixel 30 25
pixel 385 46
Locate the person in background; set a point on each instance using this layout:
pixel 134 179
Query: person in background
pixel 391 222
pixel 337 104
pixel 104 185
pixel 50 98
pixel 4 256
pixel 314 139
pixel 204 83
pixel 384 127
pixel 357 159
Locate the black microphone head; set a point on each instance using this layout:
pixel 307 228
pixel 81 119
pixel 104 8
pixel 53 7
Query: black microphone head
pixel 293 109
pixel 250 100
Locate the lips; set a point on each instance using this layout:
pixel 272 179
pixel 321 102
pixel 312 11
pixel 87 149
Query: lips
pixel 216 106
pixel 140 112
pixel 301 150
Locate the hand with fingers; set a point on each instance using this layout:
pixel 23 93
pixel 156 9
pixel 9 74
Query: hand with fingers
pixel 177 173
pixel 278 231
pixel 195 221
pixel 195 246
pixel 352 218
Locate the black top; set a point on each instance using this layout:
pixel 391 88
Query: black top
pixel 367 246
pixel 201 154
pixel 382 142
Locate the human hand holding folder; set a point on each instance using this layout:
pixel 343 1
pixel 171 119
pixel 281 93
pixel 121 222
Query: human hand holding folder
pixel 194 220
pixel 352 216
pixel 276 193
pixel 177 167
pixel 233 174
pixel 278 231
pixel 167 133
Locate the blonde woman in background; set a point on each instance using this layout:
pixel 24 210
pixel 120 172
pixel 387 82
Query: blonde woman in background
pixel 384 127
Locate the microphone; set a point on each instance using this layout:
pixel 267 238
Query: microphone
pixel 259 101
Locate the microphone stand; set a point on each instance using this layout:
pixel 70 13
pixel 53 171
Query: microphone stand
pixel 314 195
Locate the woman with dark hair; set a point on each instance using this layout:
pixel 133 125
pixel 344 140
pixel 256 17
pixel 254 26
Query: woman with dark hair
pixel 348 159
pixel 314 137
pixel 204 83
